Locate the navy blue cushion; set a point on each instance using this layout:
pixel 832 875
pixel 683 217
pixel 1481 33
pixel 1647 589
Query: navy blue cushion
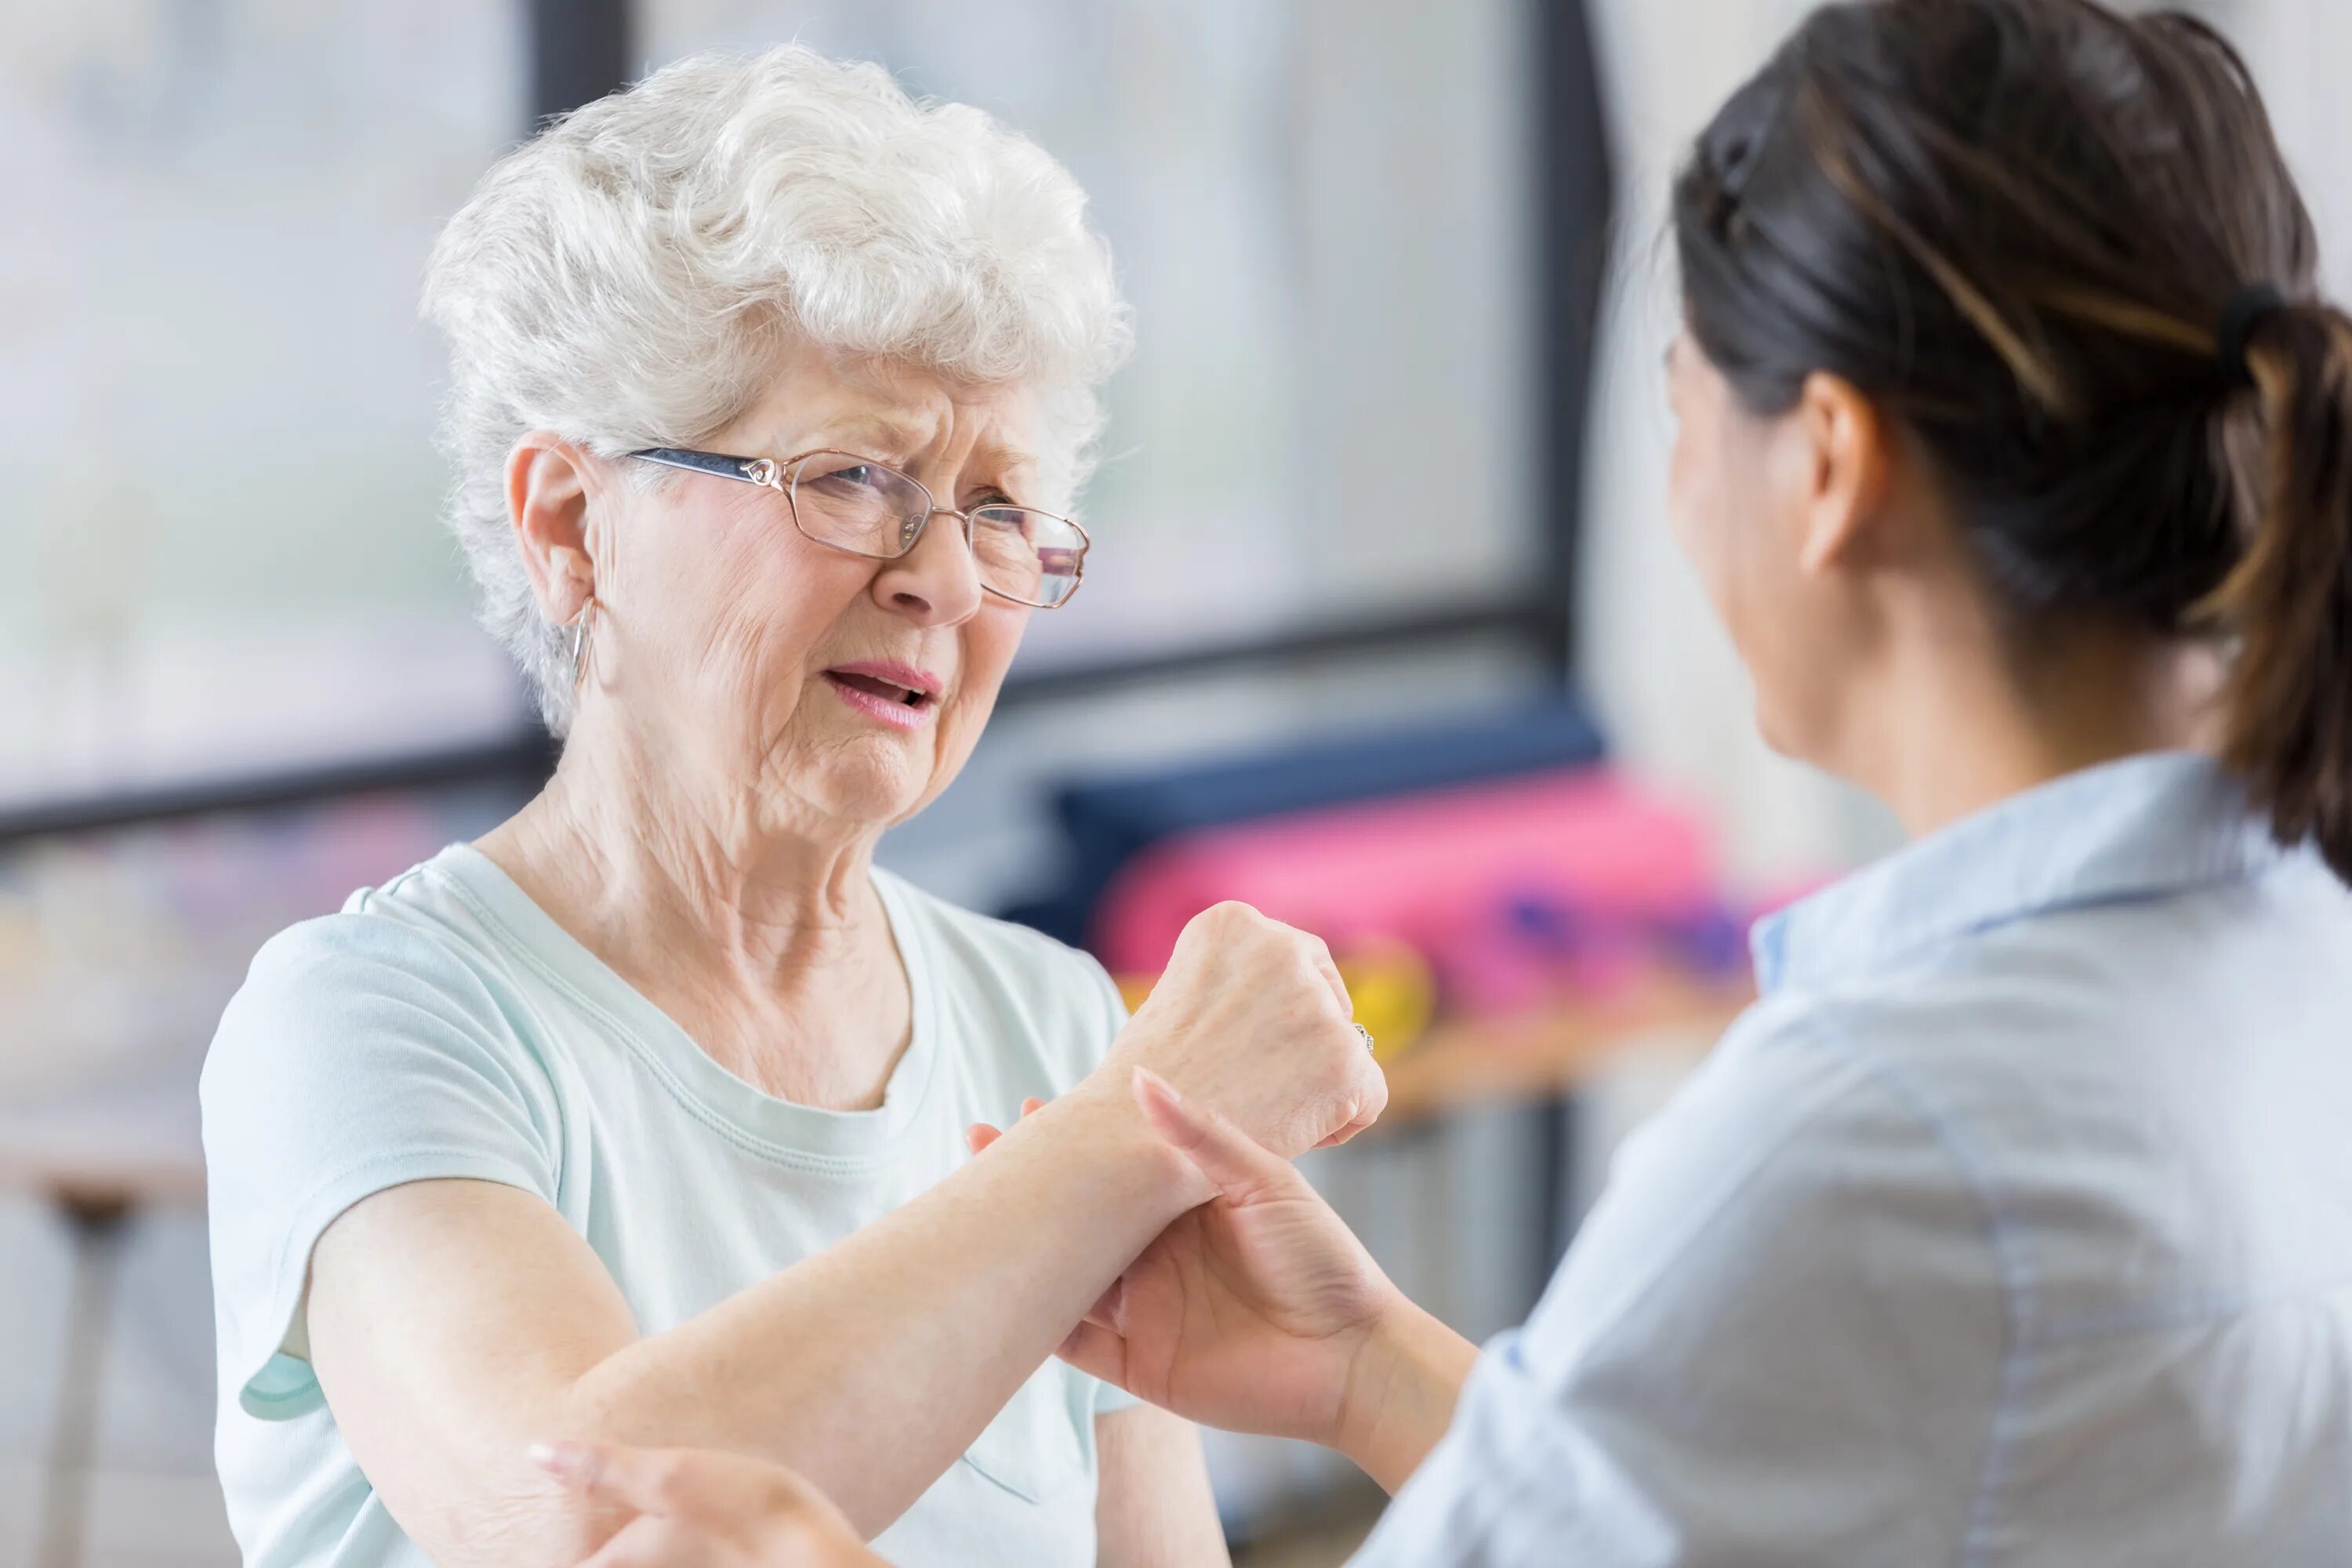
pixel 1109 819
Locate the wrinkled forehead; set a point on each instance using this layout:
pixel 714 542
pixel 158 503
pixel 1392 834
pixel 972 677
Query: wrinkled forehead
pixel 901 413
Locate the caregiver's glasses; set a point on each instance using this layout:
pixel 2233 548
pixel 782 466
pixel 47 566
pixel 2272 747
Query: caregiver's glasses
pixel 855 504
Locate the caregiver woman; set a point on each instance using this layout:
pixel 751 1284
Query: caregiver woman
pixel 2013 1227
pixel 643 1116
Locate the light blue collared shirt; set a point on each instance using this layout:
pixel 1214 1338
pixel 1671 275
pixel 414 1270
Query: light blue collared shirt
pixel 2013 1226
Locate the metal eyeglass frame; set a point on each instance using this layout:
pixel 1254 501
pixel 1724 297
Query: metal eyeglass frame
pixel 783 476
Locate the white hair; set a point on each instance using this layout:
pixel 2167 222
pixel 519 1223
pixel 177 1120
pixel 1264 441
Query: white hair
pixel 630 276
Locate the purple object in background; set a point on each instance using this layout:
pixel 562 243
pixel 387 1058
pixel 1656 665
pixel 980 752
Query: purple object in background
pixel 119 948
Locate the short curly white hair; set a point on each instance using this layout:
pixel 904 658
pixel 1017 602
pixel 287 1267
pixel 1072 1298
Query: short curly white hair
pixel 629 278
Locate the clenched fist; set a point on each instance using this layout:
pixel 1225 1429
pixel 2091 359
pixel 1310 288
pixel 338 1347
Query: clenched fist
pixel 1252 1019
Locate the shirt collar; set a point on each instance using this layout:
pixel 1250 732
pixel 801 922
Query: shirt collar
pixel 2132 829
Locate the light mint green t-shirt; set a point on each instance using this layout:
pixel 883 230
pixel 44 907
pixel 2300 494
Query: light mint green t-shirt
pixel 443 1026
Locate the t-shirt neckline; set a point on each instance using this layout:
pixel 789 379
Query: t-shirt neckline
pixel 767 1125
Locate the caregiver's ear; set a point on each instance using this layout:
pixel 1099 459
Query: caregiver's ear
pixel 1845 458
pixel 548 484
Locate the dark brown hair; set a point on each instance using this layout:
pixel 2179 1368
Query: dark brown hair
pixel 2020 226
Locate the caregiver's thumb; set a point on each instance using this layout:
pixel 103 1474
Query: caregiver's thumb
pixel 1241 1170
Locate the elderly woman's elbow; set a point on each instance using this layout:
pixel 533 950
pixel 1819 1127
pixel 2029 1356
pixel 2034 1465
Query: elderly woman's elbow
pixel 506 1515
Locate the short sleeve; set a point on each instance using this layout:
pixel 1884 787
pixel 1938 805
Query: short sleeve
pixel 1778 1339
pixel 360 1053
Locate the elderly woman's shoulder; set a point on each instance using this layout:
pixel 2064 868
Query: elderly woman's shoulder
pixel 410 931
pixel 376 980
pixel 356 950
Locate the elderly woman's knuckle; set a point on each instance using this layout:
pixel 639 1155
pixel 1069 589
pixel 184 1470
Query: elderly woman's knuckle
pixel 1241 922
pixel 1211 928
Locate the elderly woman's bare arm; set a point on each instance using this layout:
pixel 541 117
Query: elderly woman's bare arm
pixel 1153 1508
pixel 452 1322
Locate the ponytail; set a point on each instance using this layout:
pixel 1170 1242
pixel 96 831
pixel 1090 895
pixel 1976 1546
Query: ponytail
pixel 2059 246
pixel 2288 729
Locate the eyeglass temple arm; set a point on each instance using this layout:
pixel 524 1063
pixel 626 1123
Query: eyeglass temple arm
pixel 750 470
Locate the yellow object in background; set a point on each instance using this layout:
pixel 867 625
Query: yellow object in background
pixel 1134 988
pixel 1395 992
pixel 1390 983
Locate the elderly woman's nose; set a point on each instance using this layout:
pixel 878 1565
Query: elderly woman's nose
pixel 938 582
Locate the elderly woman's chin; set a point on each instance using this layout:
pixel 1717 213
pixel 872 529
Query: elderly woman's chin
pixel 839 759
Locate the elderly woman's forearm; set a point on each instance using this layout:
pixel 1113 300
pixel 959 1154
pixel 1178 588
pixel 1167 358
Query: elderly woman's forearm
pixel 453 1323
pixel 871 1366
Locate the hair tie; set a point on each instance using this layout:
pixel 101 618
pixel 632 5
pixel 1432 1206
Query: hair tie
pixel 2246 311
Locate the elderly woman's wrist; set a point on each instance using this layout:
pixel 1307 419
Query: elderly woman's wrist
pixel 1104 1106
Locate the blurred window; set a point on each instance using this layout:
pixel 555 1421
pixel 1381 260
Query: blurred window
pixel 1319 210
pixel 220 552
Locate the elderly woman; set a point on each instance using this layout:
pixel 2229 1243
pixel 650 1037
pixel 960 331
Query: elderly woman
pixel 641 1119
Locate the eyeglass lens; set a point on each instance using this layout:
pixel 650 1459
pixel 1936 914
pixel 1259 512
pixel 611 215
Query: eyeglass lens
pixel 850 503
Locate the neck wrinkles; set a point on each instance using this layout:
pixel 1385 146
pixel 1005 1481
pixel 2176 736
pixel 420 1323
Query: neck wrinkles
pixel 663 868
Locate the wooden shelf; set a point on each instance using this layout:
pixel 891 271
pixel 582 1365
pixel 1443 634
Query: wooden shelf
pixel 126 1148
pixel 1548 1052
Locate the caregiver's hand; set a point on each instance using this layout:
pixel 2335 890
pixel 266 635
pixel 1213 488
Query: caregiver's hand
pixel 689 1508
pixel 1251 1019
pixel 1260 1311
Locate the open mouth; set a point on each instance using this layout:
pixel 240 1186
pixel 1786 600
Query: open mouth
pixel 906 696
pixel 886 695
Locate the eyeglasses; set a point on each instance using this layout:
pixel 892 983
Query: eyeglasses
pixel 857 505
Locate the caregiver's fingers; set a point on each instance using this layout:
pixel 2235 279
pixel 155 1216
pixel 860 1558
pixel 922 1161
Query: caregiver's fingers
pixel 704 1509
pixel 644 1480
pixel 980 1134
pixel 1097 1352
pixel 1240 1169
pixel 1108 1306
pixel 650 1541
pixel 1110 1309
pixel 704 1486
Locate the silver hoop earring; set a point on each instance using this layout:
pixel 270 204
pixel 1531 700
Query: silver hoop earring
pixel 583 629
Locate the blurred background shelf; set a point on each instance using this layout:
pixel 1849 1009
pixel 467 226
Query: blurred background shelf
pixel 1549 1053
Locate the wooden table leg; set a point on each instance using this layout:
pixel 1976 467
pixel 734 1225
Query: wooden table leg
pixel 1555 1201
pixel 96 1225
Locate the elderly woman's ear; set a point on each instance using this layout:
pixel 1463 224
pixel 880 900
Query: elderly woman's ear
pixel 549 482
